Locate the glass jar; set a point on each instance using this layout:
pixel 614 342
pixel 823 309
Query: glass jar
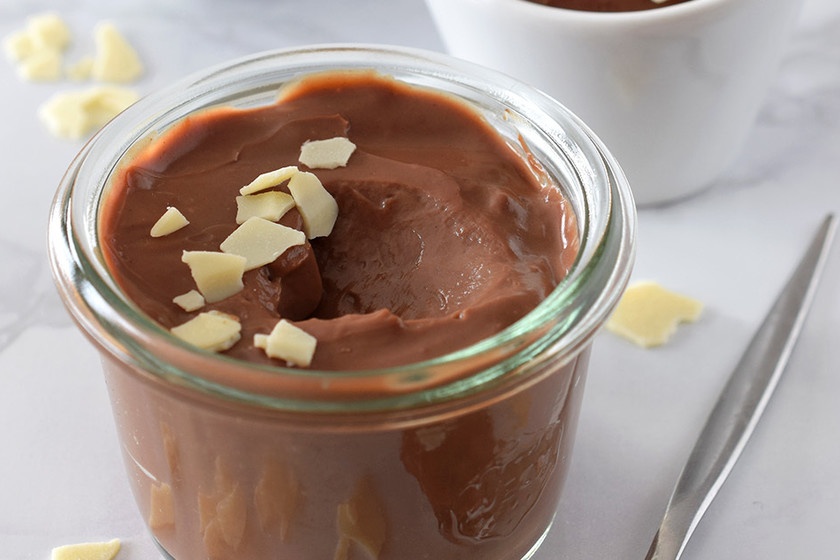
pixel 460 457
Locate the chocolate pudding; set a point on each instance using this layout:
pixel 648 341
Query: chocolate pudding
pixel 241 262
pixel 230 482
pixel 608 5
pixel 444 234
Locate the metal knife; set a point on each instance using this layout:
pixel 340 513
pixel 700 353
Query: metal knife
pixel 741 403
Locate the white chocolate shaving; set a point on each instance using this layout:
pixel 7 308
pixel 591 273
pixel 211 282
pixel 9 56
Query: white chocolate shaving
pixel 116 60
pixel 38 48
pixel 18 45
pixel 211 330
pixel 261 341
pixel 87 551
pixel 260 242
pixel 190 301
pixel 42 66
pixel 217 275
pixel 288 342
pixel 43 32
pixel 269 179
pixel 648 315
pixel 316 205
pixel 270 206
pixel 326 154
pixel 74 114
pixel 48 30
pixel 171 221
pixel 80 70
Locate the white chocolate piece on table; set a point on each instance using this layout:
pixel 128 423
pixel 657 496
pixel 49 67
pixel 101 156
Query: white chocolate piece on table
pixel 44 65
pixel 49 31
pixel 18 45
pixel 648 314
pixel 74 114
pixel 39 45
pixel 116 60
pixel 87 551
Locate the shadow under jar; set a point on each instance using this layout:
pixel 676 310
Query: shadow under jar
pixel 462 456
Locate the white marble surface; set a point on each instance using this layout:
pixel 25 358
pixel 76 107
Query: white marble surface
pixel 732 247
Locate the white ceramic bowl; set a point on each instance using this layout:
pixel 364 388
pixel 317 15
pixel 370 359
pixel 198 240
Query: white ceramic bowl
pixel 672 91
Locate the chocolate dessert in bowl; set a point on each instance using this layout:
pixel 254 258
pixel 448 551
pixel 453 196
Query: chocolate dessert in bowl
pixel 344 298
pixel 608 5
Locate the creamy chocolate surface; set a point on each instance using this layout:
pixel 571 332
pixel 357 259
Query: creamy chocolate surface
pixel 444 234
pixel 608 5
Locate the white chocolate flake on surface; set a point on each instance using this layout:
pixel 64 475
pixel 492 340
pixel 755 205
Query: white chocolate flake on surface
pixel 261 242
pixel 269 179
pixel 648 314
pixel 48 30
pixel 87 551
pixel 217 275
pixel 271 206
pixel 213 330
pixel 116 60
pixel 18 45
pixel 76 113
pixel 44 65
pixel 171 221
pixel 315 204
pixel 37 49
pixel 190 301
pixel 290 343
pixel 326 154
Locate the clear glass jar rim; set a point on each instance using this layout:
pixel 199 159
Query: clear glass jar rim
pixel 560 326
